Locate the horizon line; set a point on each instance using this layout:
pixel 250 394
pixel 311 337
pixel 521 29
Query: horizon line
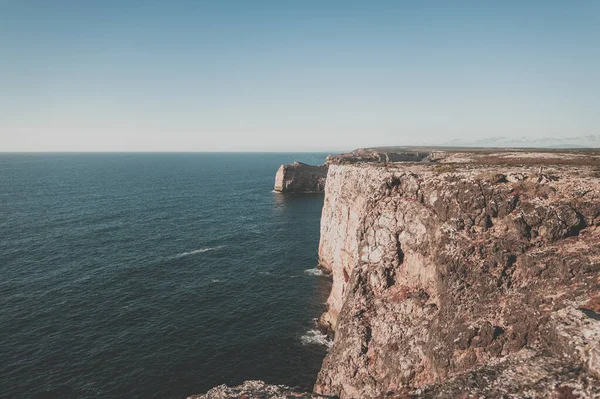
pixel 162 151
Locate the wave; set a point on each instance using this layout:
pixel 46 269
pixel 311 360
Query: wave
pixel 316 337
pixel 314 272
pixel 197 251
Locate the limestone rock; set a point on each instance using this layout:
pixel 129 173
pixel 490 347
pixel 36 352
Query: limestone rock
pixel 442 273
pixel 301 178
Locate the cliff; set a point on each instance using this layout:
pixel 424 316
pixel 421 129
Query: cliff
pixel 481 264
pixel 478 276
pixel 301 178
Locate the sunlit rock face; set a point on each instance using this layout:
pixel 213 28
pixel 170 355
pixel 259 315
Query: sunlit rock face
pixel 301 178
pixel 483 264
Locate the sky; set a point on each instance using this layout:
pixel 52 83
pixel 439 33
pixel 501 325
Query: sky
pixel 294 75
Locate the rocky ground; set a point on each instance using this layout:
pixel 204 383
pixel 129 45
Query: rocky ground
pixel 255 390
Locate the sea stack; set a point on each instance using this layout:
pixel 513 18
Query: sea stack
pixel 301 178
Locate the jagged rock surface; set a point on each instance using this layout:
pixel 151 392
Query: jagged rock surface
pixel 255 390
pixel 301 178
pixel 465 274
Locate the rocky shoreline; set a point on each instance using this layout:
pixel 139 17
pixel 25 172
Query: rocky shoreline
pixel 459 274
pixel 256 390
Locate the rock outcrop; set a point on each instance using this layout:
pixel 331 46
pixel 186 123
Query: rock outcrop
pixel 301 178
pixel 479 265
pixel 474 275
pixel 255 390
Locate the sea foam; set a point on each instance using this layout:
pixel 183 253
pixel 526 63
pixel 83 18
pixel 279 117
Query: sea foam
pixel 197 251
pixel 314 272
pixel 316 337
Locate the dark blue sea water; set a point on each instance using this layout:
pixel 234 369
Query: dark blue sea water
pixel 154 275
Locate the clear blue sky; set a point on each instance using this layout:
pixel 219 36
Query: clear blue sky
pixel 210 75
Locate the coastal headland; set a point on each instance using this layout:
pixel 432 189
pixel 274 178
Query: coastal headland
pixel 458 273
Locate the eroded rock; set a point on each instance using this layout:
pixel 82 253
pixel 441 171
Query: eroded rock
pixel 255 390
pixel 301 178
pixel 438 273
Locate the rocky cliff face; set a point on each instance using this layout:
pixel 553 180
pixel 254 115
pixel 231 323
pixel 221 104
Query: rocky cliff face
pixel 441 270
pixel 301 178
pixel 475 277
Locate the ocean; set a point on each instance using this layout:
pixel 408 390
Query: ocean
pixel 155 275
